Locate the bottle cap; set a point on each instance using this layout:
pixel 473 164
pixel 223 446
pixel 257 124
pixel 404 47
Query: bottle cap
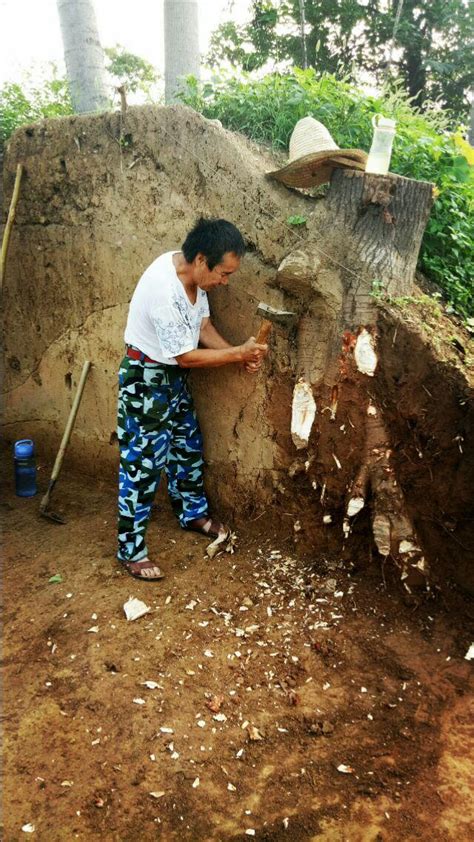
pixel 381 122
pixel 24 449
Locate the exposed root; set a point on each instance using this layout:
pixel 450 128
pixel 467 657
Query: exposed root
pixel 393 532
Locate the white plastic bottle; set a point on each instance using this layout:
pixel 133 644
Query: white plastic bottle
pixel 381 149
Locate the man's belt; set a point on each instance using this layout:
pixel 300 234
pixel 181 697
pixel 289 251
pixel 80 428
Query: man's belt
pixel 135 354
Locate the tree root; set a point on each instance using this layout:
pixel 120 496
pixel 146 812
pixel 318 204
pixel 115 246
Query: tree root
pixel 393 532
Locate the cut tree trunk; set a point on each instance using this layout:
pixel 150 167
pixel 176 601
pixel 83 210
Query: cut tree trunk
pixel 372 235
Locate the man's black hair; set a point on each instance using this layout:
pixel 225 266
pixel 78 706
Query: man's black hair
pixel 213 238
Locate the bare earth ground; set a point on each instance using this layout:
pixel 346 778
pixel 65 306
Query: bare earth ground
pixel 329 666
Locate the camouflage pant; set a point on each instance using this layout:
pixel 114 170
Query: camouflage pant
pixel 157 429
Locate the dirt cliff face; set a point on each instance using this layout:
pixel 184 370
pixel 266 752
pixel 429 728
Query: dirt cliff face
pixel 427 387
pixel 99 201
pixel 101 197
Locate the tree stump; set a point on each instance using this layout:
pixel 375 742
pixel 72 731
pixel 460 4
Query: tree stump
pixel 369 245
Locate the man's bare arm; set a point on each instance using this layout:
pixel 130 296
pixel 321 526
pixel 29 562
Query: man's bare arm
pixel 224 354
pixel 209 337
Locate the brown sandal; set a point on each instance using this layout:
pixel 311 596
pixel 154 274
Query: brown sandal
pixel 207 526
pixel 142 575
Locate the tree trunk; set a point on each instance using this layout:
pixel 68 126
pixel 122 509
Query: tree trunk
pixel 181 44
pixel 372 235
pixel 83 55
pixel 416 42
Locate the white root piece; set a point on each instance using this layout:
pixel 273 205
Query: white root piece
pixel 302 414
pixel 337 461
pixel 354 506
pixel 134 608
pixel 407 547
pixel 364 353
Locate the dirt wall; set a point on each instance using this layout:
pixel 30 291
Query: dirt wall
pixel 100 199
pixel 428 393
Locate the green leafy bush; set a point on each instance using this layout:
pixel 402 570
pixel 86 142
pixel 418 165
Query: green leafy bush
pixel 131 70
pixel 267 109
pixel 26 103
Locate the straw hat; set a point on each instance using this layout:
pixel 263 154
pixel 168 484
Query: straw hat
pixel 313 156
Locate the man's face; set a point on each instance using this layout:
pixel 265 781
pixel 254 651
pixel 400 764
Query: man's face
pixel 219 276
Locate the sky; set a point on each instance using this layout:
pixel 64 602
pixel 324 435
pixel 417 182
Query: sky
pixel 30 36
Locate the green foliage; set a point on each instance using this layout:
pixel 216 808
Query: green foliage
pixel 130 70
pixel 435 38
pixel 26 103
pixel 297 220
pixel 251 45
pixel 431 52
pixel 378 289
pixel 447 254
pixel 266 110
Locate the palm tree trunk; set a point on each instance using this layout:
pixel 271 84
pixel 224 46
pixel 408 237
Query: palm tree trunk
pixel 181 43
pixel 83 55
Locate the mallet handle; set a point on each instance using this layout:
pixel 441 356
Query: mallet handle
pixel 264 332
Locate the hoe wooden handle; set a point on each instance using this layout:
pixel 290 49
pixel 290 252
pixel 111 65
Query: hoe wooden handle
pixel 70 421
pixel 264 332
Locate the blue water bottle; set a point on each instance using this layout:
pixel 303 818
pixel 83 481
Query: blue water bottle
pixel 25 468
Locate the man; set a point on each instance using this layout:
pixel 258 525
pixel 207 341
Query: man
pixel 157 425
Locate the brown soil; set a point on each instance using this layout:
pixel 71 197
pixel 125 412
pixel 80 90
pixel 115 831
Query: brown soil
pixel 425 389
pixel 329 664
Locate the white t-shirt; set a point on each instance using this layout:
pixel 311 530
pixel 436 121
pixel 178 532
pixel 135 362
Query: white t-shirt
pixel 162 322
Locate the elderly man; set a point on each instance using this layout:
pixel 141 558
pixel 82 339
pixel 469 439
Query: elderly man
pixel 169 332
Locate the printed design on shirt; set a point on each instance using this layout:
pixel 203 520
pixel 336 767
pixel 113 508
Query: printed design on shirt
pixel 182 326
pixel 172 335
pixel 182 309
pixel 192 319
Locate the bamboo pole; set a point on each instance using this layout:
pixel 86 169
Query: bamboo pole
pixel 10 221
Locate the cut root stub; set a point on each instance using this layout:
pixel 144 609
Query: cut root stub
pixel 354 506
pixel 364 353
pixel 408 557
pixel 382 531
pixel 302 414
pixel 393 532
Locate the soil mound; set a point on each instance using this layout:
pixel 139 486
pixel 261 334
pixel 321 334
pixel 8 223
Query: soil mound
pixel 103 195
